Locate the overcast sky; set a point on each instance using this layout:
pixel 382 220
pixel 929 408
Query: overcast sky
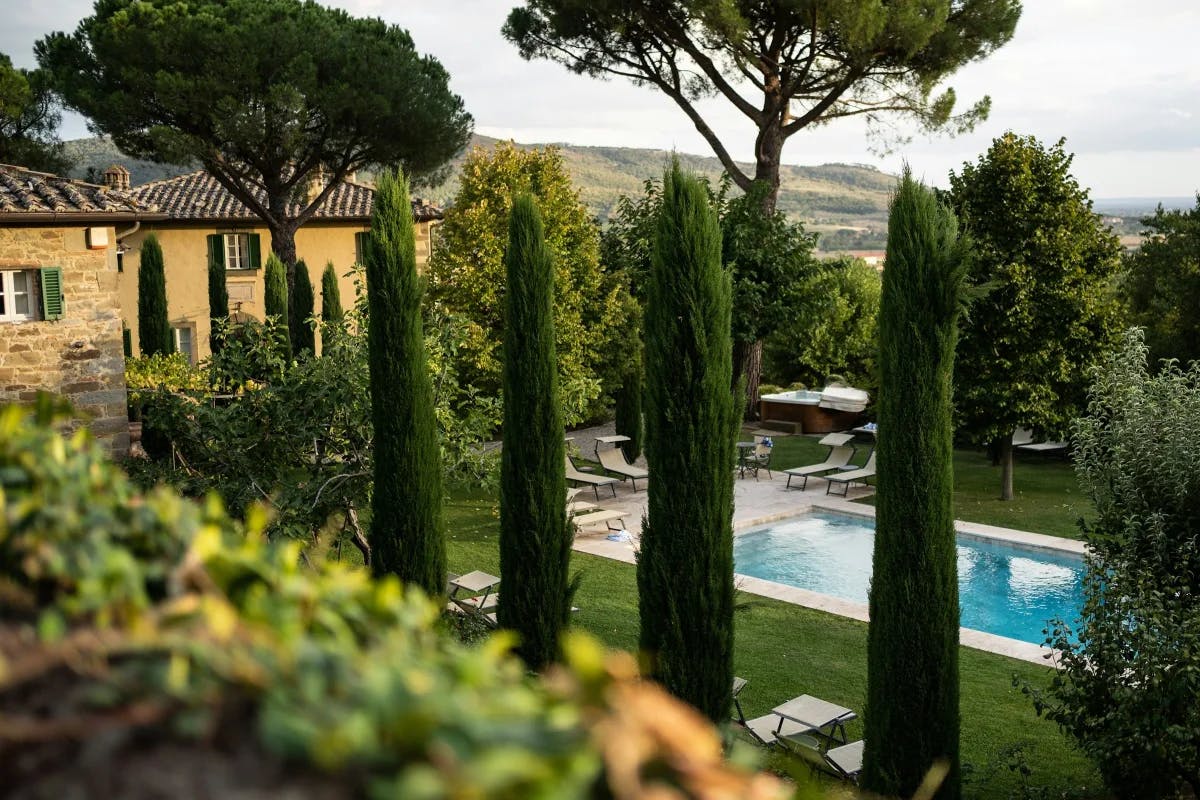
pixel 1119 80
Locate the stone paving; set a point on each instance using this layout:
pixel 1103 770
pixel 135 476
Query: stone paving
pixel 767 499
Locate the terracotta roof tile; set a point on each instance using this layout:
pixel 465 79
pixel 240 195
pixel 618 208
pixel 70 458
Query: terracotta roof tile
pixel 25 191
pixel 199 196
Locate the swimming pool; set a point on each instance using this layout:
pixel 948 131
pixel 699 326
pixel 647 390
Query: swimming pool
pixel 1004 589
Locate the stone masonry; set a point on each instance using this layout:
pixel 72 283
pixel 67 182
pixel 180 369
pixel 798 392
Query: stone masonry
pixel 79 357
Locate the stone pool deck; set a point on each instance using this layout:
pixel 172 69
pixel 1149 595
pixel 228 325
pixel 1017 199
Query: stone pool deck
pixel 767 499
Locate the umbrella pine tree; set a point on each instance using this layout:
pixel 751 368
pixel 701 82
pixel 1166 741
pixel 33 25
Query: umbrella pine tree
pixel 912 719
pixel 407 533
pixel 685 567
pixel 535 535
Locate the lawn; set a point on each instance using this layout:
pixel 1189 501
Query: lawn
pixel 1047 496
pixel 786 650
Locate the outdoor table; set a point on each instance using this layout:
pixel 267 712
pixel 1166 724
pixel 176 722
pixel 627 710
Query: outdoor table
pixel 744 450
pixel 475 582
pixel 826 719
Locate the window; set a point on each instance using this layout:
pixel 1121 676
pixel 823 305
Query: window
pixel 183 341
pixel 18 295
pixel 235 250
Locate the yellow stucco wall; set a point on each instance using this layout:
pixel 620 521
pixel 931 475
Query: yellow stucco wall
pixel 185 259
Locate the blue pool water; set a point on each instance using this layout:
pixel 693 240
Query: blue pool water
pixel 1003 589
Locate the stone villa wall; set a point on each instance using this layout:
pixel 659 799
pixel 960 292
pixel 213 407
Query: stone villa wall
pixel 80 356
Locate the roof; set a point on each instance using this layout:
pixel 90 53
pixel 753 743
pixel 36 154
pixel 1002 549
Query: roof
pixel 199 196
pixel 37 195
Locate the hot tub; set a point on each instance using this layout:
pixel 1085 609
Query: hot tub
pixel 803 408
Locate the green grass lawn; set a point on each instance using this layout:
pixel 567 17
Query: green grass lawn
pixel 786 650
pixel 1047 496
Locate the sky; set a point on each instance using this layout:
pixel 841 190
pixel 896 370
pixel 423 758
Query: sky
pixel 1120 82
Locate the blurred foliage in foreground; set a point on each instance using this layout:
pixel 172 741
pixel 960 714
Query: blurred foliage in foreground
pixel 153 646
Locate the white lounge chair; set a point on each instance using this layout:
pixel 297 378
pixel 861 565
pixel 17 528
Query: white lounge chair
pixel 590 479
pixel 839 455
pixel 845 762
pixel 606 517
pixel 766 729
pixel 613 460
pixel 845 479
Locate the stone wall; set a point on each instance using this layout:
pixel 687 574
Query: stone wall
pixel 80 356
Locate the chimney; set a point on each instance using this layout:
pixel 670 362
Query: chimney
pixel 117 177
pixel 317 179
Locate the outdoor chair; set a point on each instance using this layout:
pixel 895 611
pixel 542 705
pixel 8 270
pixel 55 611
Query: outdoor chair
pixel 845 479
pixel 589 479
pixel 613 460
pixel 760 458
pixel 766 729
pixel 843 762
pixel 840 453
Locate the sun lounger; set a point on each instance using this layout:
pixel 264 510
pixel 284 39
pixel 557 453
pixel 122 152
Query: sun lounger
pixel 840 453
pixel 613 460
pixel 766 729
pixel 590 479
pixel 843 762
pixel 851 477
pixel 593 519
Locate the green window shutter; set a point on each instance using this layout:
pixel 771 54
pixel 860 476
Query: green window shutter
pixel 360 246
pixel 216 248
pixel 255 252
pixel 52 293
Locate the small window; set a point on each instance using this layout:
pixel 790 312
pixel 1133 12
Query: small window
pixel 237 251
pixel 18 295
pixel 184 335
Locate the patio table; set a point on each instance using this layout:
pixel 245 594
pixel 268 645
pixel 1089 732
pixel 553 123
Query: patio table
pixel 475 582
pixel 821 717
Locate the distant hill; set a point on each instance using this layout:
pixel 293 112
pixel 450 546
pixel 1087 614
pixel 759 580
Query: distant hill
pixel 827 197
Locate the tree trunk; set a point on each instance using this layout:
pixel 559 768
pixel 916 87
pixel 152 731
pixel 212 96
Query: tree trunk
pixel 1004 447
pixel 747 364
pixel 768 151
pixel 283 238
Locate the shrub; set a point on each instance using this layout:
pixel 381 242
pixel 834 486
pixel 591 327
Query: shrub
pixel 188 649
pixel 1129 681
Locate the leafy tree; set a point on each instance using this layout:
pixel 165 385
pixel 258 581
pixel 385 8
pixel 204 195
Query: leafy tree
pixel 29 119
pixel 833 329
pixel 912 659
pixel 1043 262
pixel 154 327
pixel 218 304
pixel 275 302
pixel 467 277
pixel 1161 284
pixel 300 330
pixel 1131 669
pixel 685 567
pixel 331 296
pixel 407 532
pixel 270 96
pixel 535 535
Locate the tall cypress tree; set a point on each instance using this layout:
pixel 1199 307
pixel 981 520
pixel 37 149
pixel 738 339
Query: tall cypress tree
pixel 331 296
pixel 628 402
pixel 154 327
pixel 218 304
pixel 300 308
pixel 685 569
pixel 912 718
pixel 407 533
pixel 275 301
pixel 535 535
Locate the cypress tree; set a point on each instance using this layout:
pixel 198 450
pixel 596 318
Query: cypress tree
pixel 331 296
pixel 300 309
pixel 407 535
pixel 275 301
pixel 912 716
pixel 685 568
pixel 154 327
pixel 535 535
pixel 218 304
pixel 628 403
